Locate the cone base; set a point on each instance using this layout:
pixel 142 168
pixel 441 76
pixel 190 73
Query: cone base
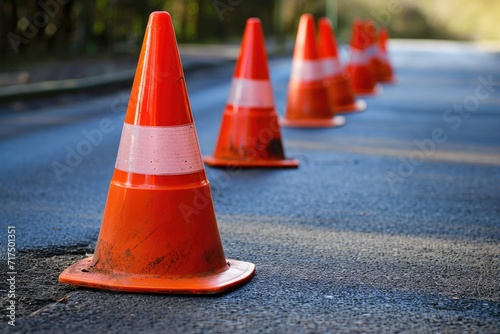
pixel 313 123
pixel 357 106
pixel 238 274
pixel 217 162
pixel 369 92
pixel 387 80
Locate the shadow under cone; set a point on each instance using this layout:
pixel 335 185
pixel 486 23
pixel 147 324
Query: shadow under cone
pixel 159 232
pixel 250 135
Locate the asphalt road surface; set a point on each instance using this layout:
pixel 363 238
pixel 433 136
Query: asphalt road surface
pixel 390 224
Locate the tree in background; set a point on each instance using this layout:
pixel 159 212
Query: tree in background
pixel 33 29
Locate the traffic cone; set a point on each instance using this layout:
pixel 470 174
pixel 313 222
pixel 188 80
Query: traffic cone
pixel 250 135
pixel 386 73
pixel 159 233
pixel 339 88
pixel 358 68
pixel 307 102
pixel 371 51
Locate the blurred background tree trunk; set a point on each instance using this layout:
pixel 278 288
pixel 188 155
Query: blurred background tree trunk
pixel 8 23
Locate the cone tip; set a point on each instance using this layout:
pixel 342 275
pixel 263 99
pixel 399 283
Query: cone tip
pixel 253 21
pixel 159 18
pixel 307 17
pixel 154 17
pixel 307 22
pixel 370 24
pixel 324 21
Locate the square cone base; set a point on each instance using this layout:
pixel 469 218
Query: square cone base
pixel 81 274
pixel 313 123
pixel 358 106
pixel 217 162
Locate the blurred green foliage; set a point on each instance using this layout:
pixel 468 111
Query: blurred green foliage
pixel 34 28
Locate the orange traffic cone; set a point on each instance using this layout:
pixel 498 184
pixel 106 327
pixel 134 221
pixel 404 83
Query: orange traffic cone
pixel 307 103
pixel 159 233
pixel 338 85
pixel 386 74
pixel 371 50
pixel 358 68
pixel 250 135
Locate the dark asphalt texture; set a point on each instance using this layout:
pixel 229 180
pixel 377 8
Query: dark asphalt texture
pixel 390 224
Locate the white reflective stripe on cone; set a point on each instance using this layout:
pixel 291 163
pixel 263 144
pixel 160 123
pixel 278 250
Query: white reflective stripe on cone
pixel 307 70
pixel 358 57
pixel 251 93
pixel 331 66
pixel 159 150
pixel 381 54
pixel 371 51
